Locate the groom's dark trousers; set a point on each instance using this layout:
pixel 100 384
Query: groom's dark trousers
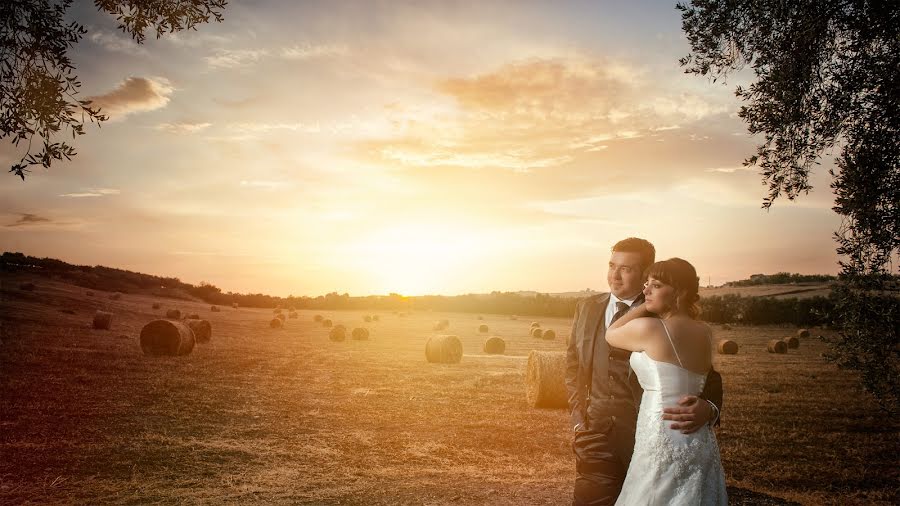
pixel 604 396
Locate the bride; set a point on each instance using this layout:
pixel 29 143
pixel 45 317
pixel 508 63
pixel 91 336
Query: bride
pixel 672 353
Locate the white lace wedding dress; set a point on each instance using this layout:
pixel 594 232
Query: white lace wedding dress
pixel 668 467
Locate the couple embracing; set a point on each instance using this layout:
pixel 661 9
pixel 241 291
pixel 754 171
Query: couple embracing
pixel 642 392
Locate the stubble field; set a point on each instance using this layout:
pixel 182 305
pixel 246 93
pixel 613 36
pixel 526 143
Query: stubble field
pixel 287 416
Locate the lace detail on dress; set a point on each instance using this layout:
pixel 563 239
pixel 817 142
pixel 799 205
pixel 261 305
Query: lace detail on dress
pixel 688 457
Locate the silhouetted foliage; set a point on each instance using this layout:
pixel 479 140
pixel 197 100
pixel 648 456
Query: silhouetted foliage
pixel 731 308
pixel 38 86
pixel 827 75
pixel 782 278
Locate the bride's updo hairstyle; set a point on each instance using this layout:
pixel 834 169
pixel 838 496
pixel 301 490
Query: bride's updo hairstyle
pixel 682 276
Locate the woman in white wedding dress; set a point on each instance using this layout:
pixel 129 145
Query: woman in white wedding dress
pixel 671 355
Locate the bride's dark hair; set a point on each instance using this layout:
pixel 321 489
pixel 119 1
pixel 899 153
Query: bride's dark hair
pixel 682 276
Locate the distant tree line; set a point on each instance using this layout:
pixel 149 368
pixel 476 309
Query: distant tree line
pixel 733 308
pixel 715 309
pixel 782 278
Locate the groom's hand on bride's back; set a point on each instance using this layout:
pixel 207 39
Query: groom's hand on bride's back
pixel 690 415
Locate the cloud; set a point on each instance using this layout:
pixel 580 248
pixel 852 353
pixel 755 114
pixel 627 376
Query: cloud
pixel 265 185
pixel 194 38
pixel 728 170
pixel 93 192
pixel 135 94
pixel 540 88
pixel 117 43
pixel 310 51
pixel 238 58
pixel 26 219
pixel 235 58
pixel 539 114
pixel 261 128
pixel 182 127
pixel 521 159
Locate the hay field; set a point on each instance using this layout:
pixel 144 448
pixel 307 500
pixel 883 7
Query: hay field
pixel 288 416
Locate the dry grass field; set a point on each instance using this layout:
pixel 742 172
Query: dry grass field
pixel 287 416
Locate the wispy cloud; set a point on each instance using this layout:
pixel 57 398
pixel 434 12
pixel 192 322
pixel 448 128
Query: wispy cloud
pixel 239 58
pixel 264 184
pixel 182 127
pixel 260 128
pixel 117 43
pixel 93 192
pixel 27 219
pixel 235 58
pixel 135 94
pixel 310 51
pixel 728 170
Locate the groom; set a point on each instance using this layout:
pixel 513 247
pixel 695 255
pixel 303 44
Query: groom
pixel 604 394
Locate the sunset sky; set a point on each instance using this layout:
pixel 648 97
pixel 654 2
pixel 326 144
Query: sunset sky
pixel 411 147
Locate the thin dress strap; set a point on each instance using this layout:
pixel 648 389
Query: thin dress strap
pixel 670 342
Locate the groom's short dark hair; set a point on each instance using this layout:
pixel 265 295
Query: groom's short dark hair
pixel 641 246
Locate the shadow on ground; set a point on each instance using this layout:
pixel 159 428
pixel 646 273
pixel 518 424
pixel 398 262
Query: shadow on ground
pixel 742 496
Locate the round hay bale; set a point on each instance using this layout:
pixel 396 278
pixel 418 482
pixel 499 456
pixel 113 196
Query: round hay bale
pixel 480 317
pixel 214 309
pixel 548 334
pixel 338 333
pixel 803 333
pixel 777 346
pixel 276 323
pixel 513 317
pixel 483 328
pixel 317 318
pixel 235 305
pixel 535 324
pixel 360 334
pixel 375 318
pixel 726 326
pixel 281 317
pixel 494 345
pixel 536 332
pixel 277 311
pixel 166 337
pixel 440 325
pixel 545 383
pixel 102 320
pixel 202 330
pixel 443 349
pixel 792 342
pixel 173 314
pixel 115 296
pixel 327 323
pixel 193 316
pixel 727 347
pixel 29 287
pixel 292 315
pixel 155 305
pixel 89 293
pixel 367 318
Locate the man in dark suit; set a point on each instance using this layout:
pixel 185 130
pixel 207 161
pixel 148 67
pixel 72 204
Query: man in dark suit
pixel 604 395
